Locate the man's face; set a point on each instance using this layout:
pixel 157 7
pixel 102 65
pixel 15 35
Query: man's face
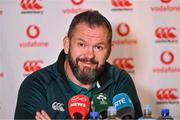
pixel 87 53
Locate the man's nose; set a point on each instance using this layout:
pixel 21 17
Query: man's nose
pixel 90 53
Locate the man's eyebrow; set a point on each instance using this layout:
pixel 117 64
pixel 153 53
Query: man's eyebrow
pixel 99 43
pixel 80 39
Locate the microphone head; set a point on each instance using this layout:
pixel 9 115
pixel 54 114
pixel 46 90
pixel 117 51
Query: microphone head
pixel 124 106
pixel 94 115
pixel 100 103
pixel 78 106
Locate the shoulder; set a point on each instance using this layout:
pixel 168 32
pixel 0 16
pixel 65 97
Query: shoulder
pixel 40 78
pixel 122 80
pixel 117 73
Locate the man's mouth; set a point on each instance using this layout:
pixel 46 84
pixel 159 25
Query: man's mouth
pixel 87 64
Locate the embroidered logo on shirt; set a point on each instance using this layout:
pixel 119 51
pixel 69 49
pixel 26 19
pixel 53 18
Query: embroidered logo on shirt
pixel 58 106
pixel 102 97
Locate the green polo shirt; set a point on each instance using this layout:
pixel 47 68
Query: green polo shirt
pixel 81 90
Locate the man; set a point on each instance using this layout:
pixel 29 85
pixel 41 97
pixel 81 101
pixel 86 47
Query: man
pixel 80 69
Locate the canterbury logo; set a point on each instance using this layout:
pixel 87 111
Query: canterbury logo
pixel 165 32
pixel 124 63
pixel 32 65
pixel 33 31
pixel 167 94
pixel 123 29
pixel 167 57
pixel 121 3
pixel 165 1
pixel 58 106
pixel 77 2
pixel 30 4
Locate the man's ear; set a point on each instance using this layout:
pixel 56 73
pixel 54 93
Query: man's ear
pixel 66 43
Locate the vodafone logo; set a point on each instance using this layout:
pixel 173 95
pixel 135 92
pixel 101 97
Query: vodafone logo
pixel 123 29
pixel 167 94
pixel 165 7
pixel 124 63
pixel 32 65
pixel 165 1
pixel 32 31
pixel 167 57
pixel 75 9
pixel 30 5
pixel 77 2
pixel 165 32
pixel 121 3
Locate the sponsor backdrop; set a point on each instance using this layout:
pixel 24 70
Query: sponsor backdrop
pixel 146 36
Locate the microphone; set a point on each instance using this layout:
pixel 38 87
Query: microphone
pixel 94 115
pixel 124 106
pixel 78 106
pixel 100 103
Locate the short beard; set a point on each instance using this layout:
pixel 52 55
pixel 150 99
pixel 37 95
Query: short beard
pixel 85 76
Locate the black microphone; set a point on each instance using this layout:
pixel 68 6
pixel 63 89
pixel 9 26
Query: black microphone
pixel 124 106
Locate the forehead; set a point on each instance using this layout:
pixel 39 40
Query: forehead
pixel 91 30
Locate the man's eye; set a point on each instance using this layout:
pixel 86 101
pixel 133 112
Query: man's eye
pixel 81 44
pixel 99 47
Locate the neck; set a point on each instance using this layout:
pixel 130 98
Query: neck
pixel 72 77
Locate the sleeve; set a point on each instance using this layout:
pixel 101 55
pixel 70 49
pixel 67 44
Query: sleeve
pixel 31 98
pixel 126 85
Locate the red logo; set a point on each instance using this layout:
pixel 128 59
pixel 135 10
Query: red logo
pixel 32 65
pixel 124 63
pixel 33 31
pixel 167 94
pixel 167 57
pixel 165 32
pixel 1 74
pixel 121 3
pixel 123 29
pixel 30 4
pixel 1 12
pixel 165 1
pixel 77 2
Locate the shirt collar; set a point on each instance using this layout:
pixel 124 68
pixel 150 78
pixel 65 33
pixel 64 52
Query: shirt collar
pixel 78 89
